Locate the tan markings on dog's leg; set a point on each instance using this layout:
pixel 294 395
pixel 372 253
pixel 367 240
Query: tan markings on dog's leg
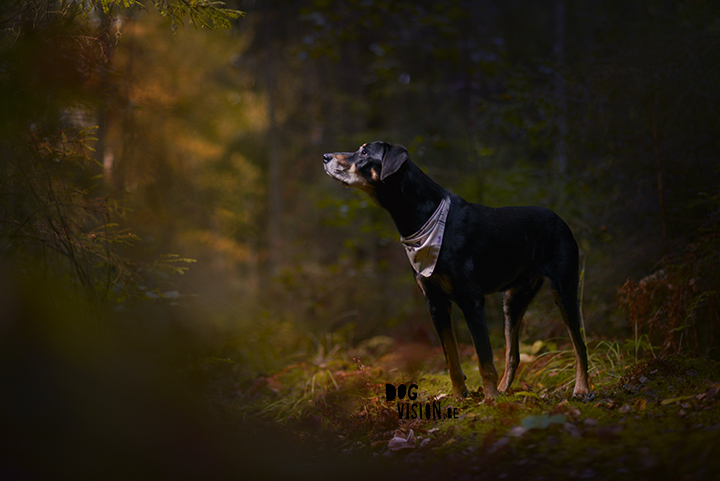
pixel 581 375
pixel 581 381
pixel 490 378
pixel 453 361
pixel 571 316
pixel 581 363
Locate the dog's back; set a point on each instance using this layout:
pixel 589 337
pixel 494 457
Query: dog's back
pixel 495 248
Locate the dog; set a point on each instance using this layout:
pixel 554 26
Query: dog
pixel 462 251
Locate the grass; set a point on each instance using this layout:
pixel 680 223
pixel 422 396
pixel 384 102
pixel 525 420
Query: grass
pixel 650 417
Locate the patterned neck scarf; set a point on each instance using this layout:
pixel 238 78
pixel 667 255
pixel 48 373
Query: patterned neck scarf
pixel 423 247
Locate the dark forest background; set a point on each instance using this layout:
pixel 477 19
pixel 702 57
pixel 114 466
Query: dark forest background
pixel 161 176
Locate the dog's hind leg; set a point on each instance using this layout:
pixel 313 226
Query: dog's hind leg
pixel 515 302
pixel 565 295
pixel 440 308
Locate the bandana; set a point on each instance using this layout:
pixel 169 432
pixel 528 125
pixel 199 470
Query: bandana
pixel 423 247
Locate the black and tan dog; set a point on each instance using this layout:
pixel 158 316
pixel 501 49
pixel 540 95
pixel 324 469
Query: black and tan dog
pixel 462 251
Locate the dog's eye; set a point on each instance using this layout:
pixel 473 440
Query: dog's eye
pixel 363 152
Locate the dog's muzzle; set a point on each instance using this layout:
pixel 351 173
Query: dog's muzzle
pixel 330 166
pixel 335 170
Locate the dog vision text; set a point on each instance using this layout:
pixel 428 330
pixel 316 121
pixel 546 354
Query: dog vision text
pixel 430 411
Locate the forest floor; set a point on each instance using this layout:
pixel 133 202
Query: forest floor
pixel 651 418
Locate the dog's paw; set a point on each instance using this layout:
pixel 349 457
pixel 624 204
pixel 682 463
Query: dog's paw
pixel 585 397
pixel 490 393
pixel 460 393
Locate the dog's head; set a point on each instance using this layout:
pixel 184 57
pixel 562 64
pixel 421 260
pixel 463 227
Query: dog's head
pixel 368 167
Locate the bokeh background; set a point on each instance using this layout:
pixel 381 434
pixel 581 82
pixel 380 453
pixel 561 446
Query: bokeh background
pixel 163 207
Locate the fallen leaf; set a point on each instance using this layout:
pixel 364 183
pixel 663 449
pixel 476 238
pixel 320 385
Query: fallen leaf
pixel 517 431
pixel 674 400
pixel 399 441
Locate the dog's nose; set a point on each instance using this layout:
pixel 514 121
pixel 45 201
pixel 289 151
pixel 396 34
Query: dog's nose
pixel 327 158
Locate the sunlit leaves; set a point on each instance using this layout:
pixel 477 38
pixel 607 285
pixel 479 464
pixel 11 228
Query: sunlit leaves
pixel 202 13
pixel 107 5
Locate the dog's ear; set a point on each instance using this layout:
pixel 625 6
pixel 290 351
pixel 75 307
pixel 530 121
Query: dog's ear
pixel 395 156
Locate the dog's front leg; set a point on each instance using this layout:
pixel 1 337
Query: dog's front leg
pixel 440 308
pixel 474 310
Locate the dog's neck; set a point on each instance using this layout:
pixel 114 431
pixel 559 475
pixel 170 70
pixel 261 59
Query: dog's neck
pixel 409 207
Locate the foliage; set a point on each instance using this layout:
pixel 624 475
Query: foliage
pixel 47 211
pixel 202 13
pixel 678 305
pixel 669 400
pixel 108 5
pixel 55 206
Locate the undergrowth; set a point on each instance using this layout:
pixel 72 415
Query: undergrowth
pixel 646 410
